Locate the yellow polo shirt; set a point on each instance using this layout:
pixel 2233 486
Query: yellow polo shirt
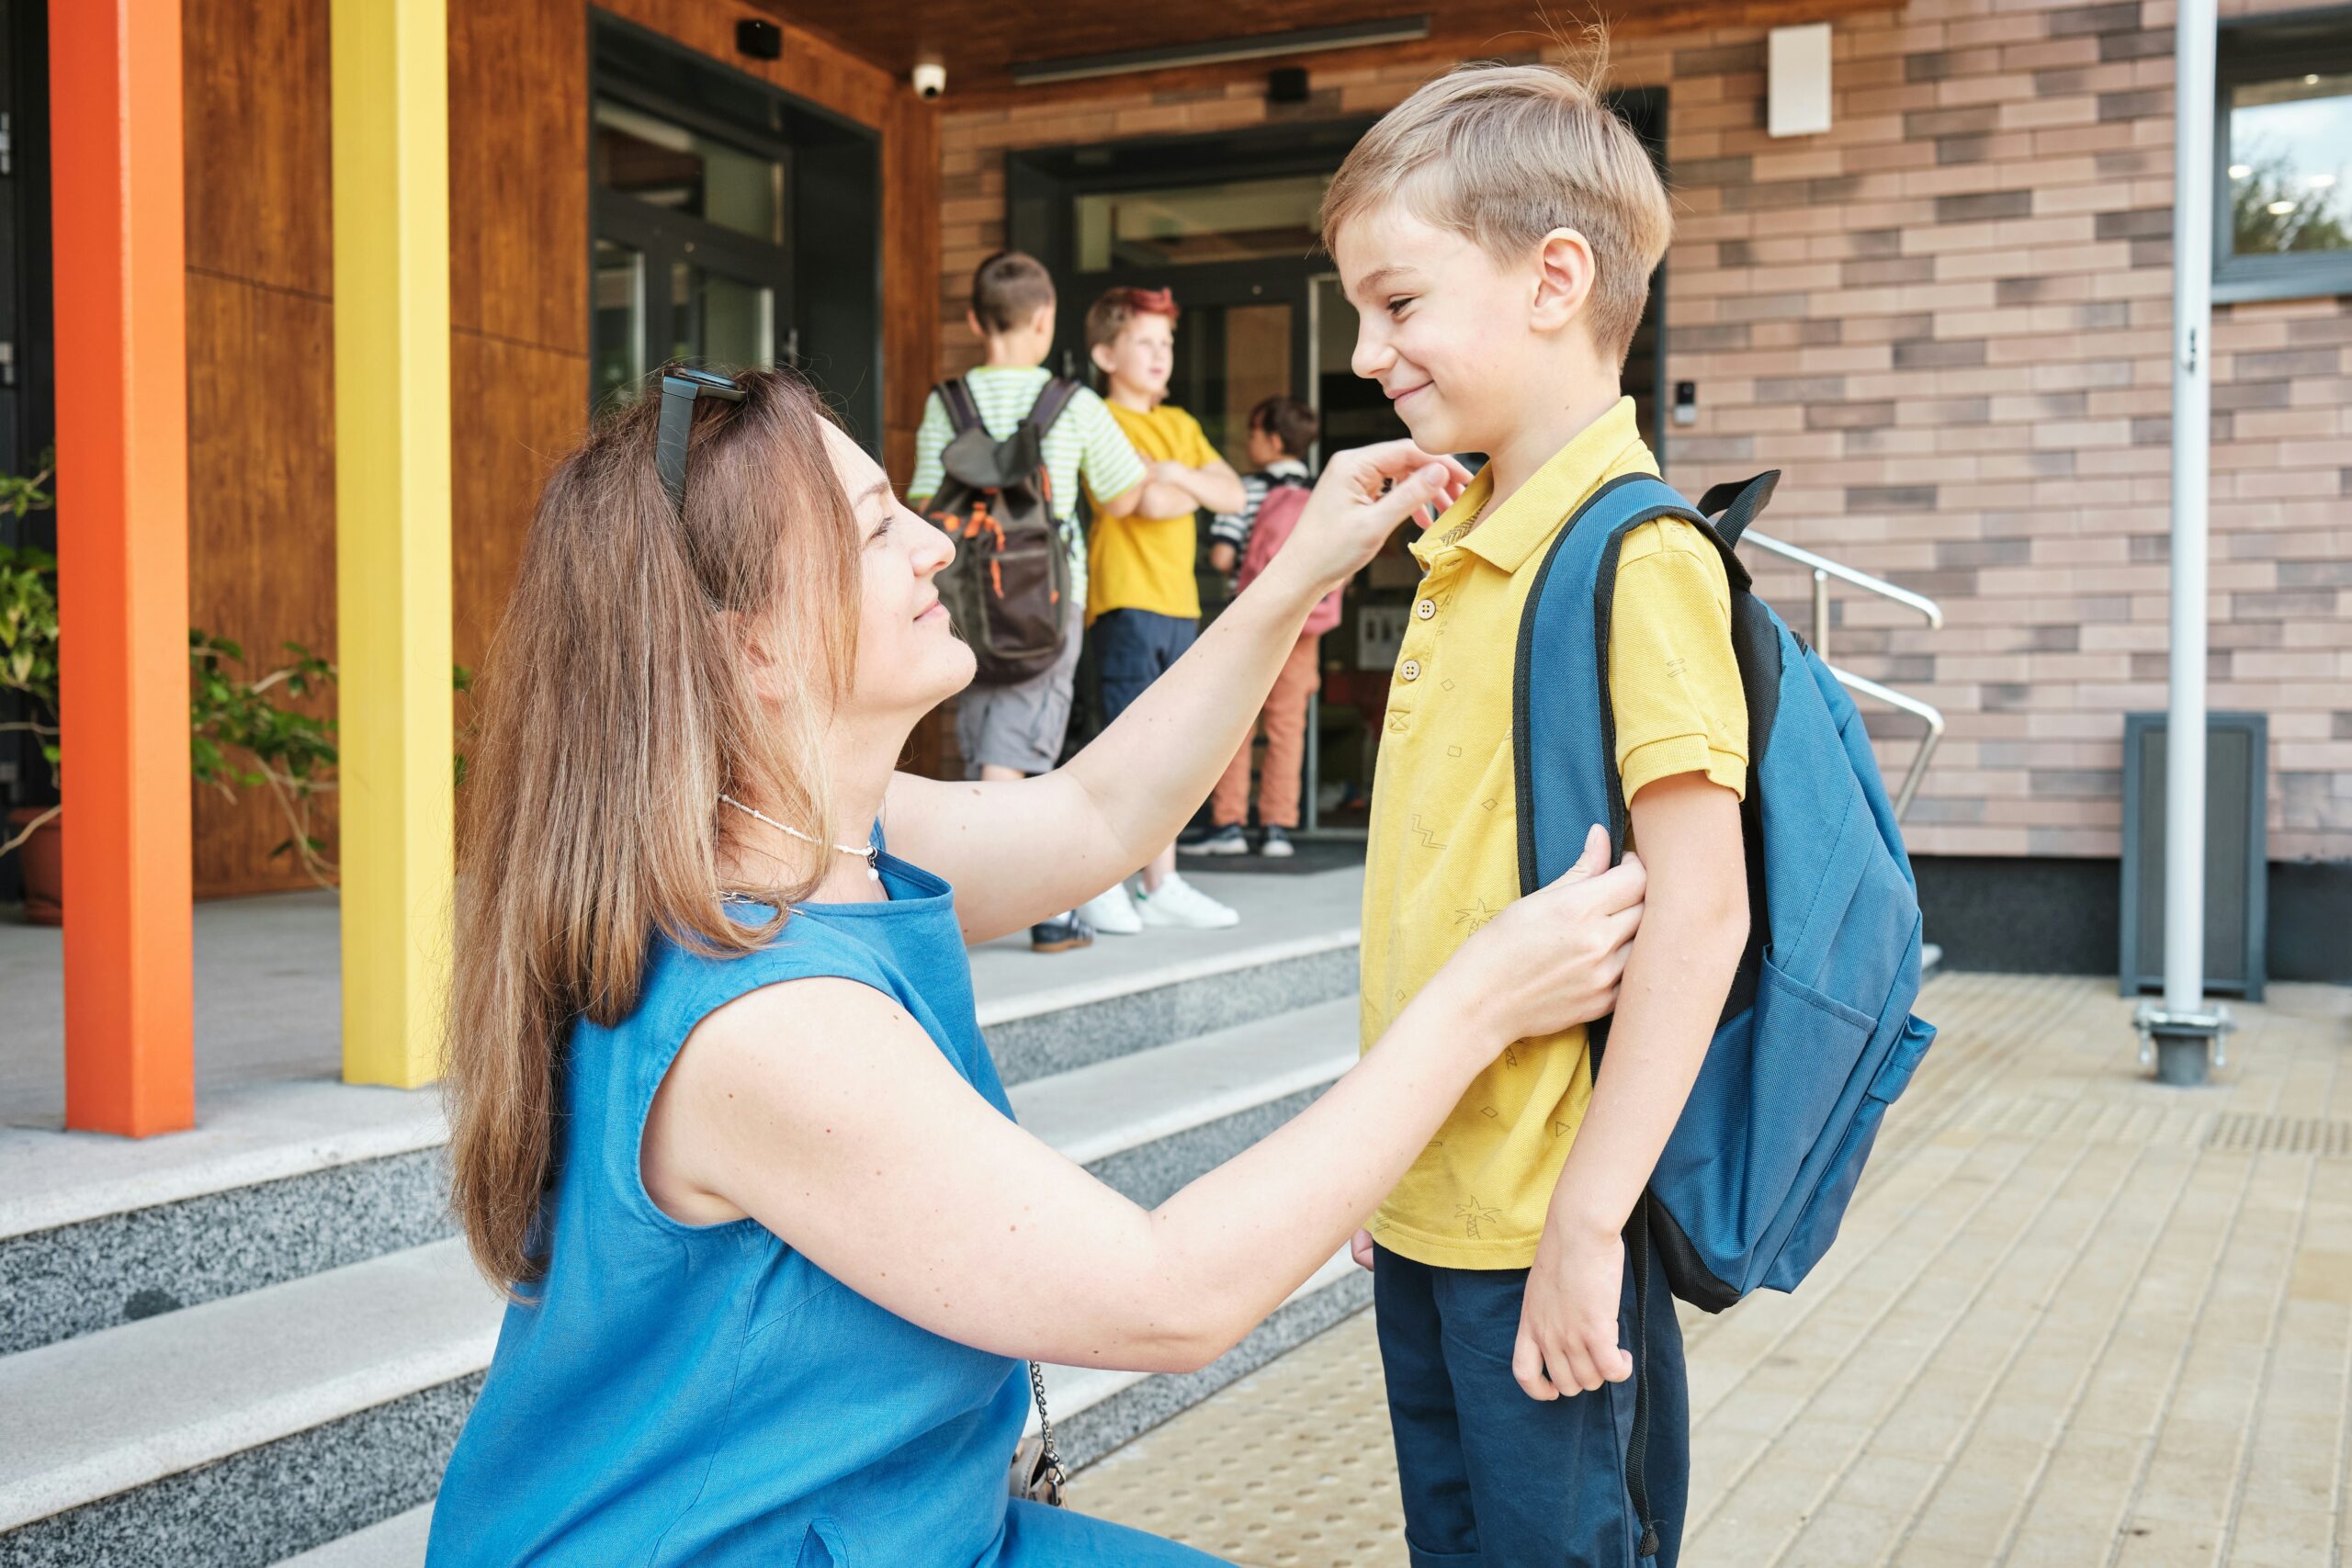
pixel 1444 844
pixel 1145 563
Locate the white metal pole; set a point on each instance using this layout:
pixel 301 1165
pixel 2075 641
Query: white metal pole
pixel 2192 311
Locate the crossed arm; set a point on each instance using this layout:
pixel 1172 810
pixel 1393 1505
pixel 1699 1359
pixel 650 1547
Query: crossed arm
pixel 1173 489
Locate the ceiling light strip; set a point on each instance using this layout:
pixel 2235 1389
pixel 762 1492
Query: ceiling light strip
pixel 1265 46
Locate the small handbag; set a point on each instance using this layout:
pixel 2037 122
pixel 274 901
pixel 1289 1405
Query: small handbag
pixel 1036 1463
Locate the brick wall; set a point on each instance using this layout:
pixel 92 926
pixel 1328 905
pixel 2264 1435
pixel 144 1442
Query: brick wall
pixel 1947 320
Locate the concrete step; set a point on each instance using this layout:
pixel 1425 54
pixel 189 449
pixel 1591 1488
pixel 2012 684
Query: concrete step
pixel 396 1542
pixel 288 1178
pixel 279 1181
pixel 237 1430
pixel 281 1418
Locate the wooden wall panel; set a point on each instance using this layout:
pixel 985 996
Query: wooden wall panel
pixel 501 450
pixel 910 274
pixel 261 524
pixel 261 370
pixel 812 68
pixel 254 74
pixel 260 340
pixel 910 228
pixel 518 177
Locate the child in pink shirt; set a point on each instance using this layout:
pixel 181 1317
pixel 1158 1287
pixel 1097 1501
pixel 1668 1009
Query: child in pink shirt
pixel 1281 430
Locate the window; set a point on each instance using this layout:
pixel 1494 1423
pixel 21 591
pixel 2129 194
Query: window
pixel 689 260
pixel 1226 221
pixel 732 226
pixel 2283 139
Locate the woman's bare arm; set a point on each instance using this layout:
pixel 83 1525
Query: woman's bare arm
pixel 1018 852
pixel 820 1109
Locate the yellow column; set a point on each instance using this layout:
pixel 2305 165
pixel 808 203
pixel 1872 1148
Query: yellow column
pixel 391 390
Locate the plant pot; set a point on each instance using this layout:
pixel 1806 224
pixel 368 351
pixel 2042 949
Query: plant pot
pixel 41 860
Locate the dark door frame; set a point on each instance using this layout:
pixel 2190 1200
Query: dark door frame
pixel 827 275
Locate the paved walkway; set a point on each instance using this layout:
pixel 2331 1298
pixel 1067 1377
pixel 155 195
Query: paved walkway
pixel 2075 1318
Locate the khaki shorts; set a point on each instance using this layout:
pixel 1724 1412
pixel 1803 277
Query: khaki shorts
pixel 1021 725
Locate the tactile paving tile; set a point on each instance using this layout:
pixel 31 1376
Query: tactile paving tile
pixel 1292 1467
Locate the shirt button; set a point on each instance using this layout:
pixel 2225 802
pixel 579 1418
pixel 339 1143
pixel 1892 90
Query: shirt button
pixel 1410 670
pixel 1426 608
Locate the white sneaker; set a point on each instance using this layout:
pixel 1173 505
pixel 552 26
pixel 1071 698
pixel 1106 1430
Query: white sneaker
pixel 1179 903
pixel 1111 912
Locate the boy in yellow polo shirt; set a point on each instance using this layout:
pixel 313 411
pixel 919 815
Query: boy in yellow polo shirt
pixel 1496 232
pixel 1144 606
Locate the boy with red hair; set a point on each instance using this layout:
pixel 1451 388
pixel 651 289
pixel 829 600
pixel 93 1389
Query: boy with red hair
pixel 1144 605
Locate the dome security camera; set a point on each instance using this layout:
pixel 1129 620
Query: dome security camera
pixel 930 78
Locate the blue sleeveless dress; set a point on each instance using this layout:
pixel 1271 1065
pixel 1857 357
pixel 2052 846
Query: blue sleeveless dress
pixel 672 1393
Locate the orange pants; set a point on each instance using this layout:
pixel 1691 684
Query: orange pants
pixel 1284 719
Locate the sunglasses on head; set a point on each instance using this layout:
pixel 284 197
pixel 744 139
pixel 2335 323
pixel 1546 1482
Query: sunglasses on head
pixel 680 387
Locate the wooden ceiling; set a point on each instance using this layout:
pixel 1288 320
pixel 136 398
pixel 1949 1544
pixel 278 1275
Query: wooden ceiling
pixel 979 41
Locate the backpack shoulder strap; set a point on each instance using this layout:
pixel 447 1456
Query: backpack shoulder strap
pixel 1563 734
pixel 955 396
pixel 1734 505
pixel 1052 400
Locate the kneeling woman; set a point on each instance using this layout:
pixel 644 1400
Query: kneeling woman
pixel 724 1124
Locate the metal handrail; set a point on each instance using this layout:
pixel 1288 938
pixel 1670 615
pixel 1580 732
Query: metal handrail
pixel 1823 566
pixel 1917 709
pixel 1823 569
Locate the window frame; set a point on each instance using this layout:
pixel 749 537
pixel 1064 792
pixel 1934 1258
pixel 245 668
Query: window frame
pixel 2266 49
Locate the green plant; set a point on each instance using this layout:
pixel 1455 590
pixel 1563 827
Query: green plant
pixel 240 738
pixel 28 628
pixel 242 733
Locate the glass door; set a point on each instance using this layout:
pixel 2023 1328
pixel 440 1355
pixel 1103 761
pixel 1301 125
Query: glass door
pixel 732 225
pixel 689 261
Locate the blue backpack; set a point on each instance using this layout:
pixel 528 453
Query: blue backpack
pixel 1816 1037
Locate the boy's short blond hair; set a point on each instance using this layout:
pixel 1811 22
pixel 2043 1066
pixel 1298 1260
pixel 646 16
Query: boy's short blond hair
pixel 1505 155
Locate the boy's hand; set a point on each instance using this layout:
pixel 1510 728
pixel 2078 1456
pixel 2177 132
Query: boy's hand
pixel 1567 1324
pixel 1362 496
pixel 1221 557
pixel 1360 1249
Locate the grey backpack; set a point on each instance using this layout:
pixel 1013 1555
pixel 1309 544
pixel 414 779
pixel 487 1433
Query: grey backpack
pixel 1008 590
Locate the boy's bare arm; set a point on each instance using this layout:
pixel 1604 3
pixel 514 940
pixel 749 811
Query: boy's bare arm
pixel 1219 487
pixel 1214 484
pixel 1161 498
pixel 1124 503
pixel 1676 978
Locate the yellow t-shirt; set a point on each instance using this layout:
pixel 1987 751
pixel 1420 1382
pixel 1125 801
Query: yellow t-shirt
pixel 1444 841
pixel 1145 563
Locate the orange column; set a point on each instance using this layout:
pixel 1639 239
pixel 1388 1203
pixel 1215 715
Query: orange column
pixel 122 562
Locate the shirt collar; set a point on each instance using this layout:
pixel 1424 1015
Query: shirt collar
pixel 1535 512
pixel 1286 468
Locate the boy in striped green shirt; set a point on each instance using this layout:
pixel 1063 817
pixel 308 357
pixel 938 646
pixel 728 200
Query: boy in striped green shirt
pixel 1011 731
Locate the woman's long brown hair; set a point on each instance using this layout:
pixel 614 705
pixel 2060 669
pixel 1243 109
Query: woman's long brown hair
pixel 614 709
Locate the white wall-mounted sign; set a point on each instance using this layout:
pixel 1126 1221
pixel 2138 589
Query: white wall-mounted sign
pixel 1797 74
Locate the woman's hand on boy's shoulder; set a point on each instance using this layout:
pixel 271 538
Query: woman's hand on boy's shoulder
pixel 1364 493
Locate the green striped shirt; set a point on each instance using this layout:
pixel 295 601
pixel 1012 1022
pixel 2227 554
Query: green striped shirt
pixel 1085 442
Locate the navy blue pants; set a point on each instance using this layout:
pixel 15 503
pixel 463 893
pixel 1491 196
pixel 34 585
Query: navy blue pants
pixel 1135 648
pixel 1493 1479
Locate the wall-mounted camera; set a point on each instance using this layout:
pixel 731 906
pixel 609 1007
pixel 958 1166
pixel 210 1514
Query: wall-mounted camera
pixel 930 78
pixel 759 40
